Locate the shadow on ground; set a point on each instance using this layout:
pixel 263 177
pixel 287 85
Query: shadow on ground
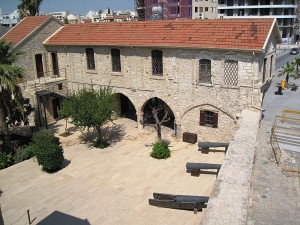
pixel 59 218
pixel 111 135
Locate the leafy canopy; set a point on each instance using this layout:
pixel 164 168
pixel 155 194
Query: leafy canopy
pixel 89 107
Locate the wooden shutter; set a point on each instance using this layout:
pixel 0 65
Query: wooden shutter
pixel 215 125
pixel 202 118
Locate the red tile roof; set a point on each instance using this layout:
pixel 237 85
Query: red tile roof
pixel 24 28
pixel 248 34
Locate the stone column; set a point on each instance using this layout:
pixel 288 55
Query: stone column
pixel 140 122
pixel 178 130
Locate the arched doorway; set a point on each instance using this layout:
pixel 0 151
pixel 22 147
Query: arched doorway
pixel 162 109
pixel 125 108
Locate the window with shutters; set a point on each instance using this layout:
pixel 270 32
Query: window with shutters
pixel 231 73
pixel 90 60
pixel 116 60
pixel 208 118
pixel 157 62
pixel 205 71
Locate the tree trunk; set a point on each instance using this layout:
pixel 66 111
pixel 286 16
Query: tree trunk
pixel 158 131
pixel 99 134
pixel 4 127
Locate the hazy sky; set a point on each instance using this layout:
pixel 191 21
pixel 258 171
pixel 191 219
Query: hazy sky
pixel 73 6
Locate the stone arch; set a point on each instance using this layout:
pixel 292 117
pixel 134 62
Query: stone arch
pixel 145 109
pixel 125 106
pixel 207 104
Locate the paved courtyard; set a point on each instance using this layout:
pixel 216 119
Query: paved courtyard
pixel 110 186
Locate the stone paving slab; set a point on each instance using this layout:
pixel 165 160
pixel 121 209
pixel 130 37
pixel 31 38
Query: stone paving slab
pixel 110 186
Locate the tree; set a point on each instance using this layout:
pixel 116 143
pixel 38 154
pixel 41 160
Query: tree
pixel 289 70
pixel 10 77
pixel 90 108
pixel 158 111
pixel 297 63
pixel 29 7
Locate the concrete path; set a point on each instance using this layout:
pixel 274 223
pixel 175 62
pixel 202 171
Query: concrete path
pixel 110 186
pixel 275 197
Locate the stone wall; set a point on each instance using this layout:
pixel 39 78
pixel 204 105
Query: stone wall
pixel 34 45
pixel 228 202
pixel 178 87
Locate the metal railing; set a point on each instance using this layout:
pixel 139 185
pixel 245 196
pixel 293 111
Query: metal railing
pixel 290 119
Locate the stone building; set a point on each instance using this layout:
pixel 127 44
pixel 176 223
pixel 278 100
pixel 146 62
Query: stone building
pixel 205 71
pixel 41 71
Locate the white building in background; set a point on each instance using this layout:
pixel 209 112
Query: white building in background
pixel 10 20
pixel 283 10
pixel 73 19
pixel 205 9
pixel 60 15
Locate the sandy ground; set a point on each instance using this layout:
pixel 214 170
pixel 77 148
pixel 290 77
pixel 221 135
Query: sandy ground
pixel 106 186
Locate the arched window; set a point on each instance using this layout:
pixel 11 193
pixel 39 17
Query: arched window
pixel 90 60
pixel 115 60
pixel 157 62
pixel 205 71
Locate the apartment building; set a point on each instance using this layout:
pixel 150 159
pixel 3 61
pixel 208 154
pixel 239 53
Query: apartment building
pixel 10 20
pixel 205 9
pixel 283 10
pixel 163 9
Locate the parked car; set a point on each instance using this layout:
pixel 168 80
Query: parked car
pixel 294 51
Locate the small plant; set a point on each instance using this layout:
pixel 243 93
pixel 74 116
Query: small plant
pixel 6 159
pixel 161 150
pixel 24 153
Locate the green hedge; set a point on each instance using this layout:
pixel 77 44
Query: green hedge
pixel 47 150
pixel 50 157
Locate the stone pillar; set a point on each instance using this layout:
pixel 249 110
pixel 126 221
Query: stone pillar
pixel 178 131
pixel 140 121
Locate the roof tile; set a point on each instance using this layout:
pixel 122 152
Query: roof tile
pixel 24 28
pixel 246 34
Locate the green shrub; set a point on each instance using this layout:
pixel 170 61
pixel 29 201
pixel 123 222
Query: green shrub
pixel 43 137
pixel 25 153
pixel 47 150
pixel 6 160
pixel 160 150
pixel 50 157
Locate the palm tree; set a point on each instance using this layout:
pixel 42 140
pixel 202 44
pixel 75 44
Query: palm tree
pixel 289 70
pixel 29 7
pixel 10 77
pixel 297 62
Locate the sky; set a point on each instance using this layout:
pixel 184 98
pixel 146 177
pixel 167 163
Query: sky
pixel 73 6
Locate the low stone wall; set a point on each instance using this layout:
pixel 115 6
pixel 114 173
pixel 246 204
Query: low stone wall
pixel 228 202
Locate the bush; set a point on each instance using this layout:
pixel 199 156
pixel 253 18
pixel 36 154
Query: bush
pixel 160 150
pixel 25 153
pixel 48 152
pixel 5 160
pixel 50 157
pixel 43 137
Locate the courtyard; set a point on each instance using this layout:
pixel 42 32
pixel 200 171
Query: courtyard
pixel 106 186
